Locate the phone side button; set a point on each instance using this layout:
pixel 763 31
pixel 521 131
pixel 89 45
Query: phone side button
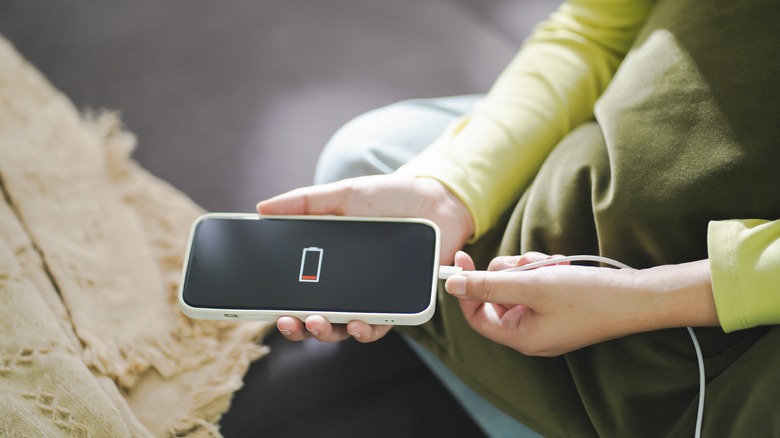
pixel 231 315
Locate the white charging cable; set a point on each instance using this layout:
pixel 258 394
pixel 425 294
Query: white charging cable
pixel 446 272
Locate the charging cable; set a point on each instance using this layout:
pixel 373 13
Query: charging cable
pixel 446 272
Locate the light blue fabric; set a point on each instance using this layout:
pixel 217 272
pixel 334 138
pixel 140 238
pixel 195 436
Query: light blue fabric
pixel 382 140
pixel 493 421
pixel 379 142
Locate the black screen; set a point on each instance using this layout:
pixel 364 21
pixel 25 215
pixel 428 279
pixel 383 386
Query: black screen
pixel 311 265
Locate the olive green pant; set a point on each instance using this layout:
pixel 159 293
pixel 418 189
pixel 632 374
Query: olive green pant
pixel 640 385
pixel 687 132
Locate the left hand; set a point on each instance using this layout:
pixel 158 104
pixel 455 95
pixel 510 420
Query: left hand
pixel 378 195
pixel 556 309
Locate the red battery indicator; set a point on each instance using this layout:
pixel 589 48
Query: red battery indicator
pixel 311 262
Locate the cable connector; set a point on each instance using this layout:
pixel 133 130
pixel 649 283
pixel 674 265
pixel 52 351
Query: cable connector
pixel 446 272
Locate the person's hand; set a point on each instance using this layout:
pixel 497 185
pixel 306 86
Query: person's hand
pixel 381 195
pixel 557 309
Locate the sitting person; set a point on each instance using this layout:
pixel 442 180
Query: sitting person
pixel 639 130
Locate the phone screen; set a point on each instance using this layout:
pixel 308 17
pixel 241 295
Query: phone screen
pixel 311 265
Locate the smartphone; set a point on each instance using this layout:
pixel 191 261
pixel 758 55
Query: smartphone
pixel 248 266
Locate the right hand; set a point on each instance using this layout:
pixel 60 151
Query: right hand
pixel 377 196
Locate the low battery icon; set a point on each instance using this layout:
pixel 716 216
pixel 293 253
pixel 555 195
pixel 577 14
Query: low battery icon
pixel 311 262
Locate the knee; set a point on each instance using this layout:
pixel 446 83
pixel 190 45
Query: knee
pixel 352 151
pixel 380 141
pixel 344 154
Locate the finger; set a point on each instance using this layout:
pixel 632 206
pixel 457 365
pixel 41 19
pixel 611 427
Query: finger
pixel 292 328
pixel 322 330
pixel 559 256
pixel 363 332
pixel 495 321
pixel 509 262
pixel 464 261
pixel 497 287
pixel 323 199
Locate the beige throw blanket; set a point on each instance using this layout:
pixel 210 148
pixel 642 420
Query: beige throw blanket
pixel 91 339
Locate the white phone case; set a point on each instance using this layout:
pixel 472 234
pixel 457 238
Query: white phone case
pixel 215 313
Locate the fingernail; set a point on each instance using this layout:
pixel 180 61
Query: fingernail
pixel 355 335
pixel 285 332
pixel 456 285
pixel 512 260
pixel 313 331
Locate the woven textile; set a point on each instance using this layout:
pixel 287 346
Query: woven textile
pixel 91 339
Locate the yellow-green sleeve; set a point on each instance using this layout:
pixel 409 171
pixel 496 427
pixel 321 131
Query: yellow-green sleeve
pixel 488 158
pixel 745 270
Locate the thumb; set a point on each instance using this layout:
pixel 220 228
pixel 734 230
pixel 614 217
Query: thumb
pixel 464 261
pixel 316 200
